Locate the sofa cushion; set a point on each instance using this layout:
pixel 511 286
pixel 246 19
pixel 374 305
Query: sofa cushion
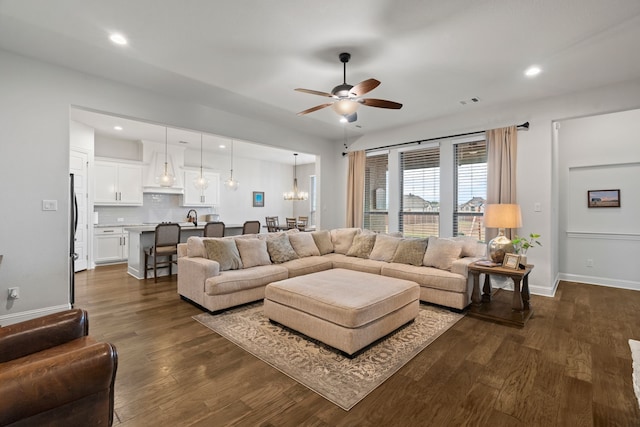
pixel 410 251
pixel 342 238
pixel 427 277
pixel 362 245
pixel 323 241
pixel 304 245
pixel 280 249
pixel 307 265
pixel 384 248
pixel 241 280
pixel 441 253
pixel 253 252
pixel 356 264
pixel 224 251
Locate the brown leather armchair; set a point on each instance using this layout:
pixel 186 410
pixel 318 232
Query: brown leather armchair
pixel 53 373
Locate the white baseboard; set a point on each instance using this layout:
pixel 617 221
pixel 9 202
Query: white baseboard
pixel 601 281
pixel 9 319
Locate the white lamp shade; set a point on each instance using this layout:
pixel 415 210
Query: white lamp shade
pixel 502 216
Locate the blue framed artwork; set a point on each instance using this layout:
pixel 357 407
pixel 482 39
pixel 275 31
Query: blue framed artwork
pixel 258 199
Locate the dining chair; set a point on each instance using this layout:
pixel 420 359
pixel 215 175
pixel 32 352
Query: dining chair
pixel 292 223
pixel 214 229
pixel 272 224
pixel 167 237
pixel 302 222
pixel 251 227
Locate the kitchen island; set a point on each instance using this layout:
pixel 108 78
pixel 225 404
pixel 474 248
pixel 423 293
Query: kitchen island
pixel 142 237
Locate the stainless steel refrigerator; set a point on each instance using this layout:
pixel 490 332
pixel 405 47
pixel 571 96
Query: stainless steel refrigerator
pixel 73 228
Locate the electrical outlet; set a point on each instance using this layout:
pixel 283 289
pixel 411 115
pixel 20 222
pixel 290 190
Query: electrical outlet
pixel 14 293
pixel 49 205
pixel 589 262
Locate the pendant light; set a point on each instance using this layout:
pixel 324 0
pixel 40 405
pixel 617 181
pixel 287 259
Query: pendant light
pixel 295 194
pixel 231 183
pixel 201 183
pixel 166 179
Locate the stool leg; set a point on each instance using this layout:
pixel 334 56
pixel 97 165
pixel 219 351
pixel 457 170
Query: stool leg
pixel 146 263
pixel 155 268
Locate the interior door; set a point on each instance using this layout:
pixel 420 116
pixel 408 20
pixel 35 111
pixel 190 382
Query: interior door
pixel 78 165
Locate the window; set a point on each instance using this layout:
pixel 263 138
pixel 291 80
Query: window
pixel 376 193
pixel 420 189
pixel 312 200
pixel 470 189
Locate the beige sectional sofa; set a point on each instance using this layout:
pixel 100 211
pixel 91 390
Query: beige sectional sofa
pixel 218 273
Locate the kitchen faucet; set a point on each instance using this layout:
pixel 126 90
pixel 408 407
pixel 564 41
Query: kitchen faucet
pixel 193 218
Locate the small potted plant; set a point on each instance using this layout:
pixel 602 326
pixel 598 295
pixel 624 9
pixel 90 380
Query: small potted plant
pixel 522 244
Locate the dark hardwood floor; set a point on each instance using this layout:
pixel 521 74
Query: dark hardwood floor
pixel 569 366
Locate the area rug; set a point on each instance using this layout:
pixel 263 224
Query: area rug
pixel 635 356
pixel 321 368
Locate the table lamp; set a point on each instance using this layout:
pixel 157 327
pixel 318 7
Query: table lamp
pixel 501 216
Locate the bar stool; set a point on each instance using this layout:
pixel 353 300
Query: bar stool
pixel 214 229
pixel 251 227
pixel 167 237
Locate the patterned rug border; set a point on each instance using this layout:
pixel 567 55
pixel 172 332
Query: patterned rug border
pixel 368 369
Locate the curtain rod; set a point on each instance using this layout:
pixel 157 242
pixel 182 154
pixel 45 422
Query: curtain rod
pixel 524 126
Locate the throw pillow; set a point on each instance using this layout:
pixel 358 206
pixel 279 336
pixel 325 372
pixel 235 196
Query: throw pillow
pixel 342 238
pixel 441 253
pixel 362 245
pixel 253 252
pixel 225 252
pixel 410 251
pixel 280 249
pixel 303 244
pixel 323 241
pixel 385 248
pixel 469 245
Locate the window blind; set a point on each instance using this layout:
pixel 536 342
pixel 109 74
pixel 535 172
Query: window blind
pixel 376 193
pixel 470 188
pixel 420 186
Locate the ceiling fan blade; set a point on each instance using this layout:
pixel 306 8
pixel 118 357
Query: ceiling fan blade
pixel 364 87
pixel 380 103
pixel 315 92
pixel 312 109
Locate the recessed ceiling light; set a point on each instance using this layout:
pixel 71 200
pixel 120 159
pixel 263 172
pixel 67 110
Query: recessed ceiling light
pixel 532 71
pixel 222 146
pixel 118 39
pixel 117 127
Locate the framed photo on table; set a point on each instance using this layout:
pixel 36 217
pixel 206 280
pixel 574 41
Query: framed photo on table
pixel 258 199
pixel 511 261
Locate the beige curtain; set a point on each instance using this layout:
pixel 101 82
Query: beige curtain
pixel 355 189
pixel 501 169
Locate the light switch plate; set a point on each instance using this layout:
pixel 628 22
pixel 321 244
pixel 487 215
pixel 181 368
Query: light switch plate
pixel 49 205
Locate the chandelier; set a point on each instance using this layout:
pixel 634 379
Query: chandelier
pixel 295 194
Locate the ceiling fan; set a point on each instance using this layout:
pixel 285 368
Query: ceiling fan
pixel 346 98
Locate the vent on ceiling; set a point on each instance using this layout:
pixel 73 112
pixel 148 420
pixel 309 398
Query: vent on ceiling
pixel 473 100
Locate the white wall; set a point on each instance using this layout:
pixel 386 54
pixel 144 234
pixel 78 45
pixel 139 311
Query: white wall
pixel 34 162
pixel 600 245
pixel 537 174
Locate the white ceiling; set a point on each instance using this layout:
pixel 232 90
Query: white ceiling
pixel 248 56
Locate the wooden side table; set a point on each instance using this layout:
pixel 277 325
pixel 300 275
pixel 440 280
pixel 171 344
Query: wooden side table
pixel 509 308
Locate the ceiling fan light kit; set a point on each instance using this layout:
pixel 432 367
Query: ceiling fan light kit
pixel 346 97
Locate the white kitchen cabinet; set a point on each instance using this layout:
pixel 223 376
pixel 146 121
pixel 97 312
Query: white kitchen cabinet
pixel 195 197
pixel 117 184
pixel 111 244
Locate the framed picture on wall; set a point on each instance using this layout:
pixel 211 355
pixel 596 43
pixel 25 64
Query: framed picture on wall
pixel 603 198
pixel 258 199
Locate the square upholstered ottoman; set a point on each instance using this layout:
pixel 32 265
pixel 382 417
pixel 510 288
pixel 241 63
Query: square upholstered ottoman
pixel 345 309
